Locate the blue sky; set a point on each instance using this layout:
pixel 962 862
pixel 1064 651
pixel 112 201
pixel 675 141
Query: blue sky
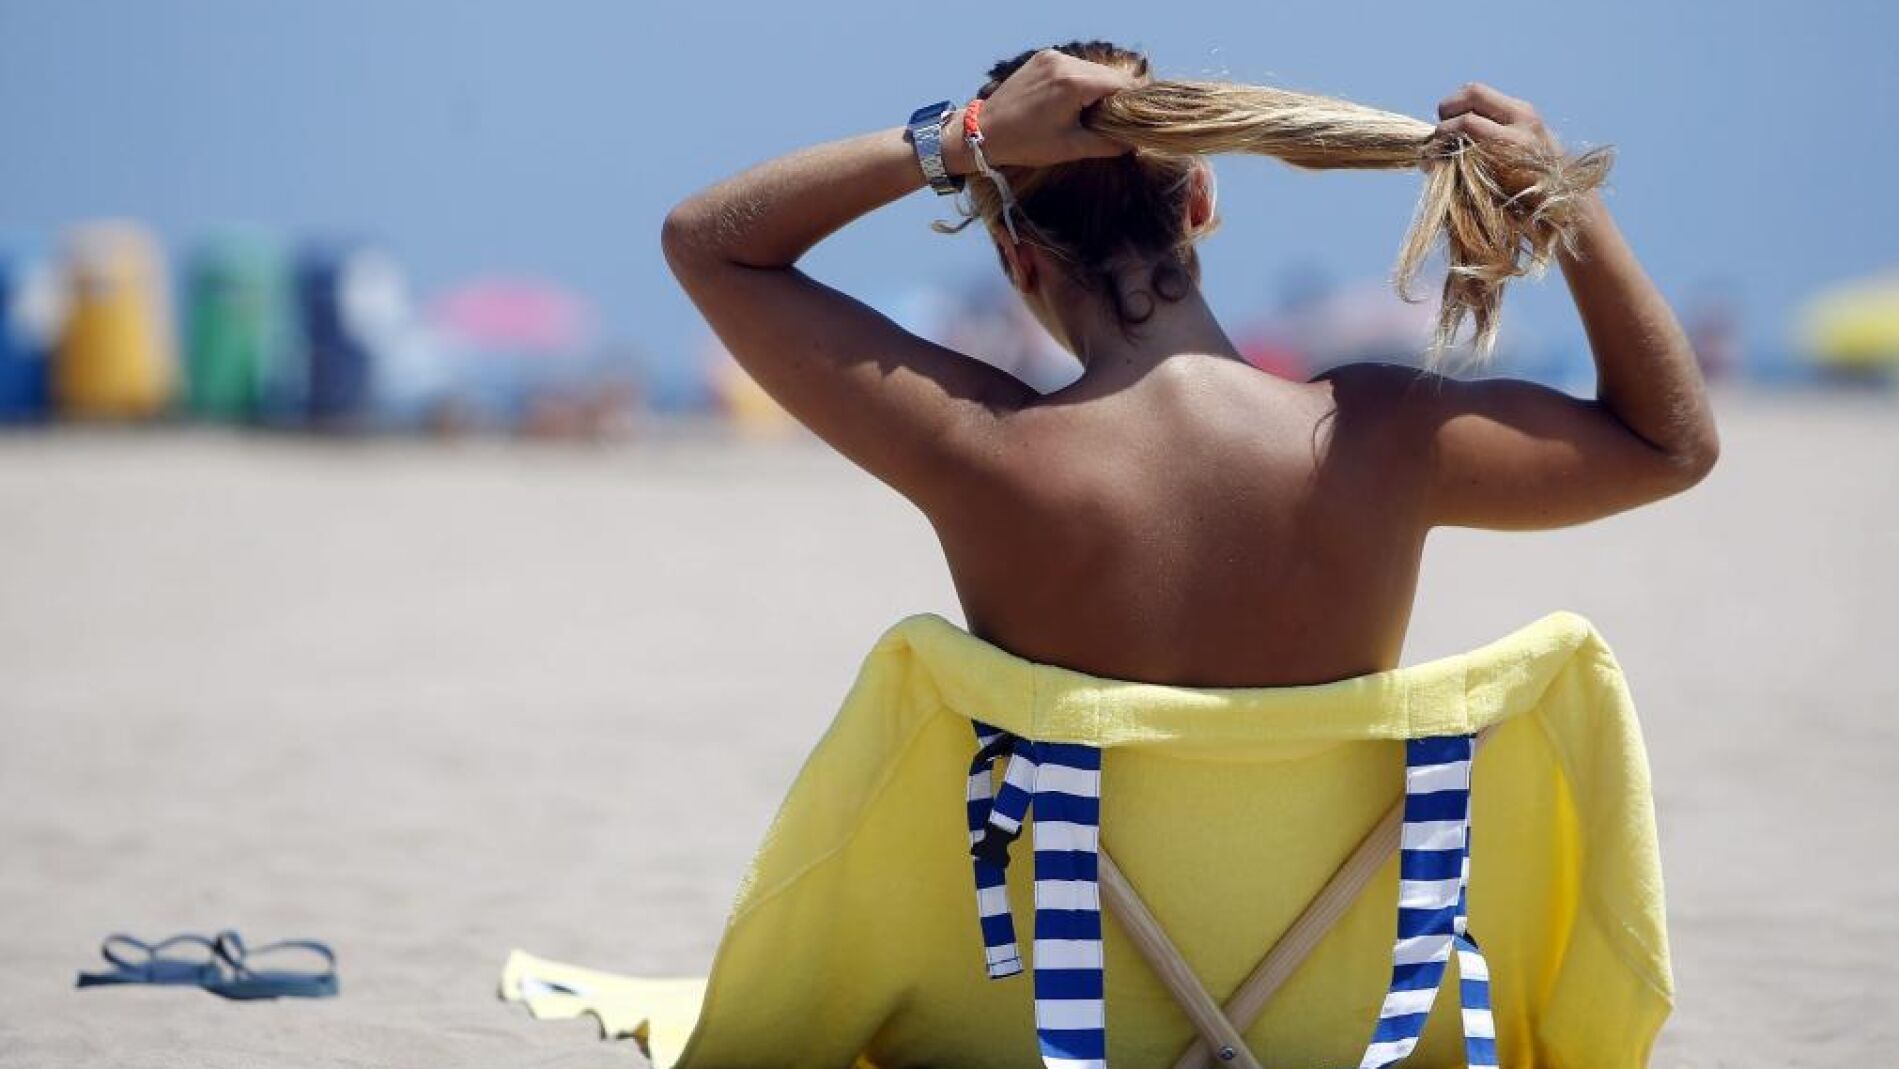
pixel 1758 141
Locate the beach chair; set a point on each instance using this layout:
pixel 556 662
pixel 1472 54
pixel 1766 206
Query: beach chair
pixel 1291 876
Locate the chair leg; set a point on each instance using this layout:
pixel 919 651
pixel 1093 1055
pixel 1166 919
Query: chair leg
pixel 1218 1033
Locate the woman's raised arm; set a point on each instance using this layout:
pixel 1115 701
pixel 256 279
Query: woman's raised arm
pixel 911 412
pixel 1510 454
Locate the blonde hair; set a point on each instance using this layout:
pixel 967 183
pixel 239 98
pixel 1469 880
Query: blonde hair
pixel 1490 235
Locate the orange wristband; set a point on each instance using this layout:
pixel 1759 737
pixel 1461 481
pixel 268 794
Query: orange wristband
pixel 972 120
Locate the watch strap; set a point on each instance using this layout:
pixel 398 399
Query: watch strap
pixel 925 133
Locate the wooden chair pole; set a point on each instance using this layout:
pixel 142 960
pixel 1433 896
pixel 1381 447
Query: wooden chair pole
pixel 1300 940
pixel 1151 940
pixel 1284 959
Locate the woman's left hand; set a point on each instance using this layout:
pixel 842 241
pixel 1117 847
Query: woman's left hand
pixel 1033 119
pixel 1492 120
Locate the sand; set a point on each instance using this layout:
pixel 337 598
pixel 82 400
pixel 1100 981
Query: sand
pixel 433 702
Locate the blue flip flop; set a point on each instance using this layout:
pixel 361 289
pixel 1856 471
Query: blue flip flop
pixel 239 980
pixel 135 961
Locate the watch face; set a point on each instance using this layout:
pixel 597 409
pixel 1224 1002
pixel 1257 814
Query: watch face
pixel 931 114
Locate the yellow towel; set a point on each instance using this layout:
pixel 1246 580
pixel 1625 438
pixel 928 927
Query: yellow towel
pixel 854 939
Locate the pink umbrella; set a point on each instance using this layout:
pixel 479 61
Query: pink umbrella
pixel 516 315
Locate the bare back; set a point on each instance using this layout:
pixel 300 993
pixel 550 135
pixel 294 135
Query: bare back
pixel 1174 517
pixel 1209 525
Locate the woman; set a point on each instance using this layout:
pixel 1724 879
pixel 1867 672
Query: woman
pixel 1175 515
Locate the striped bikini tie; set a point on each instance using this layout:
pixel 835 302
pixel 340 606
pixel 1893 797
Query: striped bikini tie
pixel 1433 906
pixel 1062 783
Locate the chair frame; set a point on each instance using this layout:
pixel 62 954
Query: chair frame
pixel 1221 1028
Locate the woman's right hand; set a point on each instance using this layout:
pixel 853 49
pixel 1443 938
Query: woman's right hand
pixel 1033 119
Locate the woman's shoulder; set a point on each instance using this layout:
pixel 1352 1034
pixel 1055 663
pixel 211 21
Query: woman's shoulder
pixel 1385 395
pixel 1381 414
pixel 1372 380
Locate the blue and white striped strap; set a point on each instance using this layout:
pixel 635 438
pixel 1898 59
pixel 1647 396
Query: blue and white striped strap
pixel 1473 976
pixel 990 852
pixel 1433 888
pixel 1062 783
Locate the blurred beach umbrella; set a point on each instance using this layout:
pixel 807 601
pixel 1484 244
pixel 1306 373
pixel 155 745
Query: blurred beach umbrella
pixel 1854 327
pixel 116 357
pixel 512 343
pixel 515 315
pixel 240 345
pixel 30 310
pixel 1267 349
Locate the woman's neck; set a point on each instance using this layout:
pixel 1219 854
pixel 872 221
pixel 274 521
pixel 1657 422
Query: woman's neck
pixel 1112 357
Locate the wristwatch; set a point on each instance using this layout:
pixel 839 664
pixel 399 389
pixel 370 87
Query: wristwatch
pixel 925 134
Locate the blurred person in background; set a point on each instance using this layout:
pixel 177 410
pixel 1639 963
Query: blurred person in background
pixel 1175 515
pixel 1714 328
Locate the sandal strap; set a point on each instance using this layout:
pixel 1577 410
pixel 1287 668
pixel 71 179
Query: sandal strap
pixel 112 949
pixel 230 948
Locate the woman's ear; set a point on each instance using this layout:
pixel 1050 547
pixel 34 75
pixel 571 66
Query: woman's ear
pixel 1020 261
pixel 1202 198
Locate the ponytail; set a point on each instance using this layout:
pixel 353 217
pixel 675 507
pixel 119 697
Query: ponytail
pixel 1490 236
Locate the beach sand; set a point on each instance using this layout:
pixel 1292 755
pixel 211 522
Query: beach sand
pixel 433 702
